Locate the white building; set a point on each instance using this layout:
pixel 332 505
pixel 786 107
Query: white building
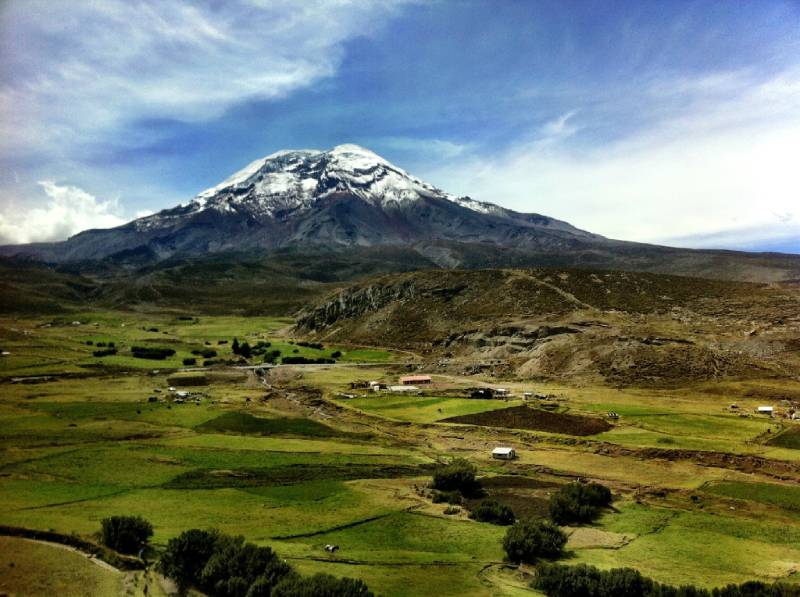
pixel 765 410
pixel 407 389
pixel 504 453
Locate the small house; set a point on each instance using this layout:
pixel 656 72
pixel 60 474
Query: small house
pixel 403 389
pixel 415 380
pixel 765 410
pixel 527 395
pixel 504 453
pixel 502 392
pixel 612 415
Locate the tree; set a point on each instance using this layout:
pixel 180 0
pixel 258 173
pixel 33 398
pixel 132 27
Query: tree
pixel 186 555
pixel 126 534
pixel 459 475
pixel 578 502
pixel 528 540
pixel 320 585
pixel 245 350
pixel 493 512
pixel 336 354
pixel 235 346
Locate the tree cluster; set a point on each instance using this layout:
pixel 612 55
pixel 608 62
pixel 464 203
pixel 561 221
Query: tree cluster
pixel 224 566
pixel 148 352
pixel 578 502
pixel 556 580
pixel 458 475
pixel 493 512
pixel 125 534
pixel 528 540
pixel 104 352
pixel 299 360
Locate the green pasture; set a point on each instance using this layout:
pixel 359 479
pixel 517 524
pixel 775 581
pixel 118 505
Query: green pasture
pixel 423 409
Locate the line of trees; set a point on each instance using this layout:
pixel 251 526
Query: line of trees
pixel 556 580
pixel 225 566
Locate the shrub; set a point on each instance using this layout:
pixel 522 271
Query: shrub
pixel 271 356
pixel 493 512
pixel 189 361
pixel 206 353
pixel 336 354
pixel 126 534
pixel 528 540
pixel 235 346
pixel 452 510
pixel 104 352
pixel 306 361
pixel 146 352
pixel 578 502
pixel 245 350
pixel 459 476
pixel 320 585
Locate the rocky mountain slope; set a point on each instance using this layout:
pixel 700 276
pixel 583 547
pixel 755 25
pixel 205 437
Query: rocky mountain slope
pixel 349 197
pixel 611 327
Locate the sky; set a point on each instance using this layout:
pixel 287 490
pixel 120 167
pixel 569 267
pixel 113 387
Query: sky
pixel 673 122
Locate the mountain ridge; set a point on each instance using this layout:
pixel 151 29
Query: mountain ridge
pixel 350 197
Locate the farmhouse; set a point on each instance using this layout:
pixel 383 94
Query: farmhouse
pixel 504 453
pixel 413 380
pixel 502 392
pixel 765 410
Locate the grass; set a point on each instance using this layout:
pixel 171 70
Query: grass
pixel 782 496
pixel 43 570
pixel 788 439
pixel 76 450
pixel 424 409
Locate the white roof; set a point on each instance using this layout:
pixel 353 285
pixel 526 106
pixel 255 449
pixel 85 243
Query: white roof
pixel 403 388
pixel 765 408
pixel 502 450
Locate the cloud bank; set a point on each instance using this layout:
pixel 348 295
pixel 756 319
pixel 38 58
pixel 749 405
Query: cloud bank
pixel 68 211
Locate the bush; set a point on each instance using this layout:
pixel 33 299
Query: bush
pixel 306 361
pixel 493 512
pixel 206 353
pixel 104 352
pixel 336 354
pixel 314 345
pixel 320 585
pixel 189 361
pixel 126 534
pixel 528 540
pixel 459 476
pixel 271 356
pixel 245 350
pixel 578 502
pixel 146 352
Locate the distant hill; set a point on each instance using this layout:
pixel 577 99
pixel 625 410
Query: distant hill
pixel 621 327
pixel 349 198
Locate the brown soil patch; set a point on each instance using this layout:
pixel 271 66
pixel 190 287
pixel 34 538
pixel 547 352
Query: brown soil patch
pixel 523 417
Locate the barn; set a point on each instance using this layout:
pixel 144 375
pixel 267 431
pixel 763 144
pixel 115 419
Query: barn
pixel 415 380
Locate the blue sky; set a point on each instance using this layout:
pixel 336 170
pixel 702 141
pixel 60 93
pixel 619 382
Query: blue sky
pixel 669 122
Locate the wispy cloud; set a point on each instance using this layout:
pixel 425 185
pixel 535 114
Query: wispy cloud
pixel 699 174
pixel 68 211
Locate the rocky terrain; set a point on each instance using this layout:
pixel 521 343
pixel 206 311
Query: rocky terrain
pixel 607 327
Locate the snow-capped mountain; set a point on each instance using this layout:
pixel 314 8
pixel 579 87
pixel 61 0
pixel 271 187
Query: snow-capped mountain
pixel 347 196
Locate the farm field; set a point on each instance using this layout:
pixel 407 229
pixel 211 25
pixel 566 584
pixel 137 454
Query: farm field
pixel 284 460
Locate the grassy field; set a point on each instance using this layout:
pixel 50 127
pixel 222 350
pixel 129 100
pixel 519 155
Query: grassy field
pixel 43 570
pixel 66 344
pixel 87 443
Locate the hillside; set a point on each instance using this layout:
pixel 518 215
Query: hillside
pixel 615 327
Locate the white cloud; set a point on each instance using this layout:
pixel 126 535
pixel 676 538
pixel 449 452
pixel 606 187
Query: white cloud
pixel 68 211
pixel 428 148
pixel 720 169
pixel 75 71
